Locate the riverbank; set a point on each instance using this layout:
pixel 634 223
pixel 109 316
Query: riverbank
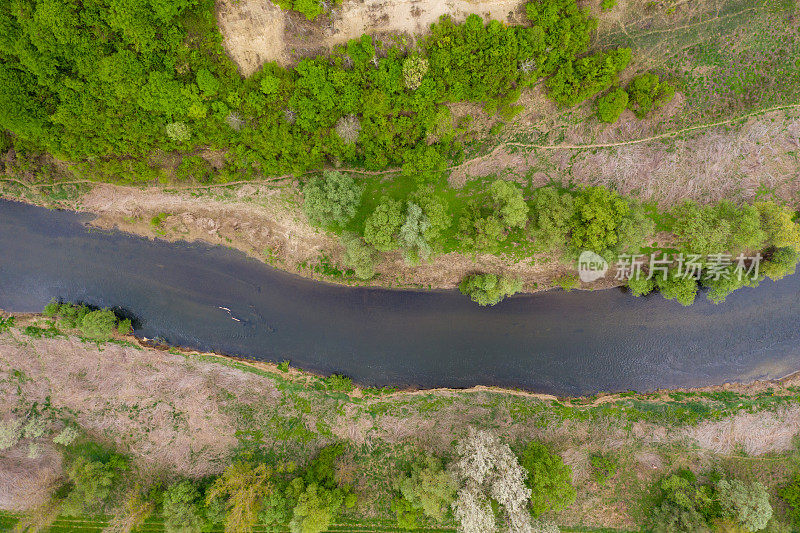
pixel 187 413
pixel 263 220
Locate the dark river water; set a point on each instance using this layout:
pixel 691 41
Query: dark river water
pixel 562 343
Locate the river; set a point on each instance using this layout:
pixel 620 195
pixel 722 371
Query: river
pixel 573 343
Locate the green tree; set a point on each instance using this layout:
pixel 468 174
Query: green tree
pixel 552 214
pixel 92 484
pixel 412 234
pixel 242 487
pixel 381 227
pixel 98 325
pixel 489 289
pixel 678 287
pixel 510 204
pixel 548 478
pixel 611 106
pixel 331 199
pixel 790 493
pixel 779 228
pixel 746 504
pixel 599 213
pixel 780 263
pixel 648 93
pixel 425 489
pixel 183 508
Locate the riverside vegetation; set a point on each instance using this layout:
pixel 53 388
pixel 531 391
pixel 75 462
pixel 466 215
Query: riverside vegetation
pixel 267 460
pixel 105 85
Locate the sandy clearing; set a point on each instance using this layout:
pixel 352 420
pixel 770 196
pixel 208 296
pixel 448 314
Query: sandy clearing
pixel 252 32
pixel 411 17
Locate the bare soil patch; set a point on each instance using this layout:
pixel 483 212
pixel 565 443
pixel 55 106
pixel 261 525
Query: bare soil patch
pixel 252 32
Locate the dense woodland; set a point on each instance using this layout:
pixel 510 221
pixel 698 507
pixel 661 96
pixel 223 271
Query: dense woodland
pixel 107 84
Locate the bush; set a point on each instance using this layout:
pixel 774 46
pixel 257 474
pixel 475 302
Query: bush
pixel 98 325
pixel 412 234
pixel 790 493
pixel 10 433
pixel 331 199
pixel 604 467
pixel 548 478
pixel 780 263
pixel 611 106
pixel 489 289
pixel 414 69
pixel 647 93
pixel 580 79
pixel 66 436
pixel 640 285
pixel 358 256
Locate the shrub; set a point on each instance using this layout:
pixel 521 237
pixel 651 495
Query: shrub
pixel 331 199
pixel 414 69
pixel 548 478
pixel 51 309
pixel 66 436
pixel 780 263
pixel 647 93
pixel 348 128
pixel 790 493
pixel 608 5
pixel 577 80
pixel 568 282
pixel 124 327
pixel 603 467
pixel 34 427
pixel 358 256
pixel 640 285
pixel 489 289
pixel 611 106
pixel 178 131
pixel 10 433
pixel 98 325
pixel 337 382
